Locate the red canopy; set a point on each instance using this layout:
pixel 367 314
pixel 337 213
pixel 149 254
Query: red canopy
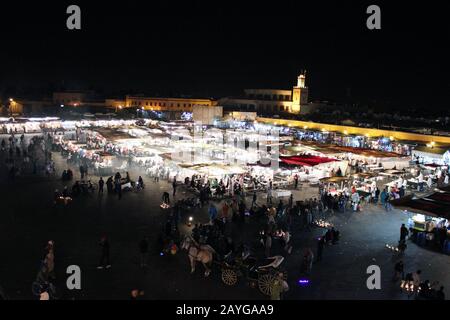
pixel 306 160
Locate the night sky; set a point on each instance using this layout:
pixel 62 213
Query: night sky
pixel 211 48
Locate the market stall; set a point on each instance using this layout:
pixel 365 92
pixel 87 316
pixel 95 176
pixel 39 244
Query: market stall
pixel 429 219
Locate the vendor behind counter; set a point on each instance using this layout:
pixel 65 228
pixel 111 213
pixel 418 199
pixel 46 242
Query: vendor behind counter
pixel 430 232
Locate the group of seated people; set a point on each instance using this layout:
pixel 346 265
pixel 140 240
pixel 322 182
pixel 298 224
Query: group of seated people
pixel 428 292
pixel 67 175
pixel 213 235
pixel 82 187
pixel 332 236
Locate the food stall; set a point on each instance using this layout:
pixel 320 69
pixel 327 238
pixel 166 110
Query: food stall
pixel 428 219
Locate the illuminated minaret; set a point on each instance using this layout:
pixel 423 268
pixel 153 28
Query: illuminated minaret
pixel 301 80
pixel 299 93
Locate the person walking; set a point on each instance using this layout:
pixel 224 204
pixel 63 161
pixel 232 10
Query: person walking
pixel 399 271
pixel 212 211
pixel 118 188
pixel 268 244
pixel 140 183
pixel 254 199
pixel 320 245
pixel 101 183
pixel 104 260
pixel 49 260
pixel 416 279
pixel 166 198
pixel 174 186
pixel 82 172
pixel 387 203
pixel 307 263
pixel 110 185
pixel 279 286
pixel 440 295
pixel 143 249
pixel 403 233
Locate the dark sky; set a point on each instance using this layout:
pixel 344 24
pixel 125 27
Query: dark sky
pixel 213 48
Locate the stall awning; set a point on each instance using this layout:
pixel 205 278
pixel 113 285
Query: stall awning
pixel 334 179
pixel 435 205
pixel 306 160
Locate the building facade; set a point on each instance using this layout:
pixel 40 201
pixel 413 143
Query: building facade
pixel 270 101
pixel 167 104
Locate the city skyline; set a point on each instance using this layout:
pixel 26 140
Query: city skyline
pixel 217 50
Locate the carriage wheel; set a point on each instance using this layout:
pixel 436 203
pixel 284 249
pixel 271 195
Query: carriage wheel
pixel 229 277
pixel 265 283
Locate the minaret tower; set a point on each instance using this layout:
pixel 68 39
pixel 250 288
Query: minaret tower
pixel 299 93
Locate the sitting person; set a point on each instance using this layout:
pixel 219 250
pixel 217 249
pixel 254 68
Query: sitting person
pixel 69 174
pixel 336 234
pixel 90 187
pixel 140 182
pixel 65 192
pixel 56 196
pixel 329 236
pixel 76 189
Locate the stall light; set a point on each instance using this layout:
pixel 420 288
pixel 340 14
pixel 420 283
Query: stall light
pixel 11 100
pixel 391 138
pixel 345 132
pixel 190 220
pixel 62 106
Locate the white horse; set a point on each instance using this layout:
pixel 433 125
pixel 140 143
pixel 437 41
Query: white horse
pixel 197 252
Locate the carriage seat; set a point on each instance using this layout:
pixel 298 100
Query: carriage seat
pixel 271 262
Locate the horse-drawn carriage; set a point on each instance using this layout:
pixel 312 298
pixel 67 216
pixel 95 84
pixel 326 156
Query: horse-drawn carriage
pixel 260 273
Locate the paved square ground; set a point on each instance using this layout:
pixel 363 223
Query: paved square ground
pixel 28 220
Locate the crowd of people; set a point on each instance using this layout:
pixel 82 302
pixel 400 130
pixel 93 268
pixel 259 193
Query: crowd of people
pixel 227 203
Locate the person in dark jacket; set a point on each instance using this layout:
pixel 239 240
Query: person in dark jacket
pixel 320 245
pixel 403 232
pixel 143 250
pixel 101 183
pixel 104 260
